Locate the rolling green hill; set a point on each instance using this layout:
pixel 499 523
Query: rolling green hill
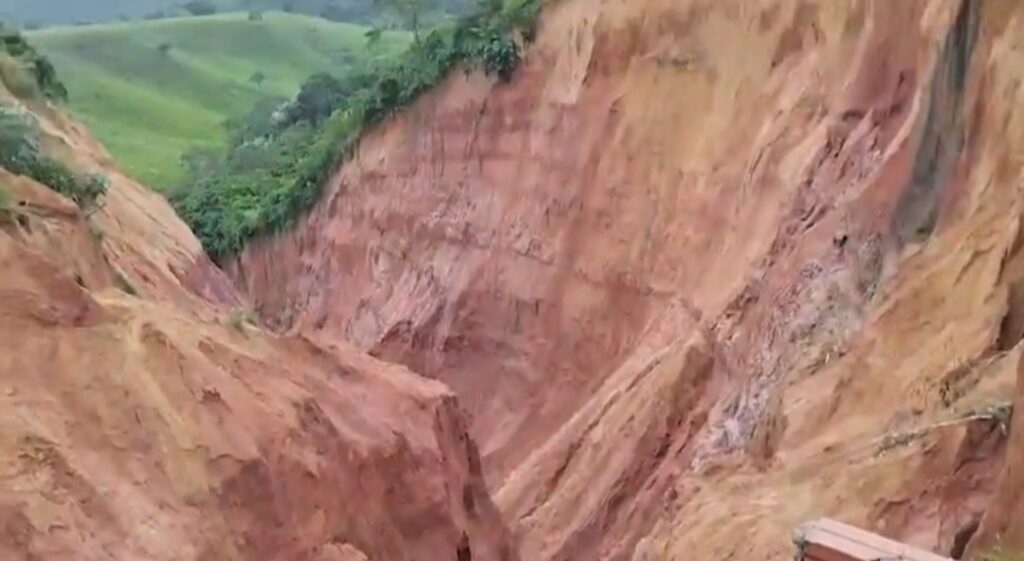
pixel 41 13
pixel 151 90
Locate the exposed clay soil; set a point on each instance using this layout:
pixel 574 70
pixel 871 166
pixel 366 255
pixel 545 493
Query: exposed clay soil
pixel 139 421
pixel 701 271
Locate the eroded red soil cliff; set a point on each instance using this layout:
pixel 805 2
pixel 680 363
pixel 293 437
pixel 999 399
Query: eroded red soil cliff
pixel 139 422
pixel 703 270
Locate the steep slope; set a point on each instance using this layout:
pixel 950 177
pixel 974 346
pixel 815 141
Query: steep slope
pixel 149 107
pixel 137 423
pixel 703 270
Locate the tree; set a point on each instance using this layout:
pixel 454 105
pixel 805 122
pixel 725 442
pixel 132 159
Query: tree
pixel 255 15
pixel 411 11
pixel 258 78
pixel 200 7
pixel 288 6
pixel 319 95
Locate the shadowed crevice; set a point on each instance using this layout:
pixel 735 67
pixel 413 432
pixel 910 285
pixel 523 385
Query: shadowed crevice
pixel 942 134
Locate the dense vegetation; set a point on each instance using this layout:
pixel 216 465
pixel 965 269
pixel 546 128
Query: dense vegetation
pixel 151 91
pixel 29 76
pixel 279 159
pixel 21 153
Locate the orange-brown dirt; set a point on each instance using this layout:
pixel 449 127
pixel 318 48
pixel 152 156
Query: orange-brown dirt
pixel 140 422
pixel 703 270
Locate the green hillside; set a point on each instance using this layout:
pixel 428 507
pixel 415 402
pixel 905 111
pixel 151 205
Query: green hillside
pixel 151 90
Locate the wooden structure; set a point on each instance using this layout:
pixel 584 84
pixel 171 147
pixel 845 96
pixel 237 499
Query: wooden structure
pixel 828 540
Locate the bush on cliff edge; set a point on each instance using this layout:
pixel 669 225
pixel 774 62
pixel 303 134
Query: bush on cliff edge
pixel 263 182
pixel 21 153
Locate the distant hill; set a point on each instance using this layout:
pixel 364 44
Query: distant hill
pixel 151 90
pixel 50 12
pixel 70 11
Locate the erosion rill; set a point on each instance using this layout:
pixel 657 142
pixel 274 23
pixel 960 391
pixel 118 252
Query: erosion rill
pixel 701 271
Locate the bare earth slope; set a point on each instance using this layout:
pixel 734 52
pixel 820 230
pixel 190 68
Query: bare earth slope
pixel 135 424
pixel 703 270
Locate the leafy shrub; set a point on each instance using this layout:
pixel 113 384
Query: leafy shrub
pixel 46 78
pixel 279 160
pixel 317 98
pixel 239 318
pixel 89 190
pixel 25 72
pixel 255 15
pixel 84 191
pixel 19 131
pixel 21 153
pixel 498 54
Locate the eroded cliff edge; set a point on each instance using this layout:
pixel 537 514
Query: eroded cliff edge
pixel 703 269
pixel 138 421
